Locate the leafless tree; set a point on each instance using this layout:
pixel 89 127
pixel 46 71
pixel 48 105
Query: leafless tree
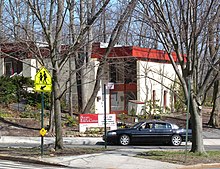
pixel 1 16
pixel 213 43
pixel 52 30
pixel 181 26
pixel 113 40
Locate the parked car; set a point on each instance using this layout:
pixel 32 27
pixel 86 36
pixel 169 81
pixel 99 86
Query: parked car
pixel 149 132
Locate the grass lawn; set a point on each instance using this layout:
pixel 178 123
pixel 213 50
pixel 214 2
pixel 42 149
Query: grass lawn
pixel 181 157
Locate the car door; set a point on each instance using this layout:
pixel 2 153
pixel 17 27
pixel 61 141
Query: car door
pixel 163 131
pixel 144 134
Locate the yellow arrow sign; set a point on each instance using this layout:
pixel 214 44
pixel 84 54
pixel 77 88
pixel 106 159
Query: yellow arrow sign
pixel 43 81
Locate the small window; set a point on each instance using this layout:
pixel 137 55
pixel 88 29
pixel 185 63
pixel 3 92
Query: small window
pixel 169 126
pixel 160 126
pixel 174 126
pixel 149 126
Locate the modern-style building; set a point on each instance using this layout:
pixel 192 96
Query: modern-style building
pixel 20 61
pixel 141 78
pixel 137 79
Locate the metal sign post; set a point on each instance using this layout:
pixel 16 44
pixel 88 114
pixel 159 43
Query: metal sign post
pixel 42 122
pixel 43 83
pixel 105 116
pixel 109 86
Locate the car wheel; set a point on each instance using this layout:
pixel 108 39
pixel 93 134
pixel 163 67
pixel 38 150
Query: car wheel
pixel 176 140
pixel 124 140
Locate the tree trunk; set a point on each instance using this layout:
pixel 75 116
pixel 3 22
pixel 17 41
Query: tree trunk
pixel 56 75
pixel 57 112
pixel 95 90
pixel 71 41
pixel 51 121
pixel 196 124
pixel 79 81
pixel 70 88
pixel 214 117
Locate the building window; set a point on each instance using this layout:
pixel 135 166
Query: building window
pixel 154 98
pixel 116 72
pixel 8 69
pixel 122 71
pixel 12 66
pixel 165 99
pixel 130 72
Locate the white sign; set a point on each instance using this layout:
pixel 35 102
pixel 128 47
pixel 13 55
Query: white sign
pixel 110 85
pixel 110 120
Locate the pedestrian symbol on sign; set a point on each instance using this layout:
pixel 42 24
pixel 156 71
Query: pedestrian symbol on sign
pixel 43 81
pixel 43 77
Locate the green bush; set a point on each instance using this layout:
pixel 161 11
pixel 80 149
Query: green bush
pixel 34 99
pixel 179 104
pixel 28 114
pixel 7 90
pixel 70 121
pixel 5 115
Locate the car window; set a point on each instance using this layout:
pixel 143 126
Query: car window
pixel 137 125
pixel 169 126
pixel 174 126
pixel 148 126
pixel 160 126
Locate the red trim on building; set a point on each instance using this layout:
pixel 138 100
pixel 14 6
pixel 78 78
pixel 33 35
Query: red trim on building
pixel 132 51
pixel 97 51
pixel 124 87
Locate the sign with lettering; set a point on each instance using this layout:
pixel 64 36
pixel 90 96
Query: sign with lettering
pixel 110 120
pixel 96 120
pixel 88 118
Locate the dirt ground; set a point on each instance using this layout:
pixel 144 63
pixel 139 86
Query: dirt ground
pixel 15 126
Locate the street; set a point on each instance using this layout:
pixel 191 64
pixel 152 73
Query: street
pixel 144 147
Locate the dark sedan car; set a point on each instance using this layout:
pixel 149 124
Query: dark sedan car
pixel 149 132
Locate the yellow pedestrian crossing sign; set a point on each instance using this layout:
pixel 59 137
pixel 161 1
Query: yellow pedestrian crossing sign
pixel 43 81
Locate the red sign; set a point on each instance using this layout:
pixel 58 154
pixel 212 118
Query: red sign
pixel 88 118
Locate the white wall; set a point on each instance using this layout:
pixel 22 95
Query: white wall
pixel 149 79
pixel 29 71
pixel 99 104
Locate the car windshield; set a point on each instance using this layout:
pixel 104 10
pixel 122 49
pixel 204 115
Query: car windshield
pixel 174 126
pixel 137 125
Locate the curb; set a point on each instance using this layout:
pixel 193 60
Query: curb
pixel 49 140
pixel 30 160
pixel 202 166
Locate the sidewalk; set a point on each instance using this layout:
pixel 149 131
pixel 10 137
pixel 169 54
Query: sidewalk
pixel 120 159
